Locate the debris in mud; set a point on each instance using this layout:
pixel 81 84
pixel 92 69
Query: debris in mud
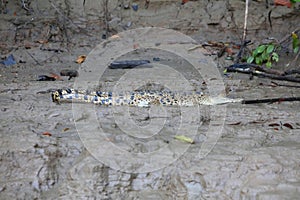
pixel 135 6
pixel 46 134
pixel 69 73
pixel 184 1
pixel 115 36
pixel 184 139
pixel 10 60
pixel 147 2
pixel 274 124
pixel 42 41
pixel 125 64
pixel 288 125
pixel 283 3
pixel 81 59
pixel 66 129
pixel 280 125
pixel 126 6
pixel 45 78
pixel 235 123
pixel 56 76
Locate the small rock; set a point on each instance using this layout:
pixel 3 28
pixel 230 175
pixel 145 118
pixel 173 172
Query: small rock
pixel 129 24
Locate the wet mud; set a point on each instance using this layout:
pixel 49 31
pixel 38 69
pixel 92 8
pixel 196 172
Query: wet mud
pixel 43 154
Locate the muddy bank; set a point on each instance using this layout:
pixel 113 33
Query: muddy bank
pixel 250 160
pixel 255 157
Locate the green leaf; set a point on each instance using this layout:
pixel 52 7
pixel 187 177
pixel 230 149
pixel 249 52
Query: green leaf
pixel 270 48
pixel 261 48
pixel 275 57
pixel 255 52
pixel 225 71
pixel 296 43
pixel 296 49
pixel 264 56
pixel 269 64
pixel 258 60
pixel 250 59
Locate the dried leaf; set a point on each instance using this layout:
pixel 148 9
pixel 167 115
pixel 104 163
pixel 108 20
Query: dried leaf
pixel 274 124
pixel 184 139
pixel 81 59
pixel 288 125
pixel 135 46
pixel 235 123
pixel 56 76
pixel 27 45
pixel 47 134
pixel 115 36
pixel 66 129
pixel 229 51
pixel 42 41
pixel 257 122
pixel 283 3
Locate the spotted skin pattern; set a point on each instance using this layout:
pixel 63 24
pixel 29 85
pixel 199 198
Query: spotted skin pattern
pixel 138 98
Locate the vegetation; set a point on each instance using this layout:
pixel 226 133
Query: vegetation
pixel 296 43
pixel 265 53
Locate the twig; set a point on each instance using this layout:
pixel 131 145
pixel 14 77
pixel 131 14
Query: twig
pixel 242 50
pixel 284 85
pixel 25 7
pixel 288 36
pixel 296 57
pixel 105 9
pixel 34 58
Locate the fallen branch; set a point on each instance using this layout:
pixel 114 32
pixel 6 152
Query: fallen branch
pixel 259 71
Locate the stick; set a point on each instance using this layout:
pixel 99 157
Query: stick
pixel 270 100
pixel 245 22
pixel 244 42
pixel 271 76
pixel 105 9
